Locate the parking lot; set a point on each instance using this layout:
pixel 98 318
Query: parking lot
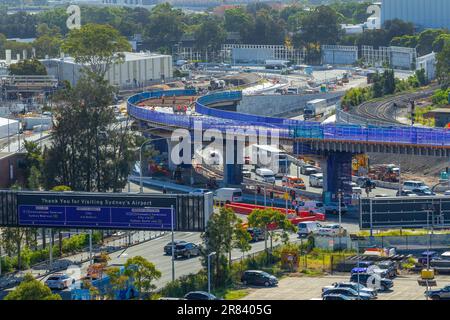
pixel 307 288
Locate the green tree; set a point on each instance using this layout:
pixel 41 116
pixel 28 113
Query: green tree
pixel 96 46
pixel 118 281
pixel 241 238
pixel 388 79
pixel 210 35
pixel 143 273
pixel 218 238
pixel 321 25
pixel 165 27
pixel 443 66
pixel 238 20
pixel 89 151
pixel 271 221
pixel 31 289
pixel 30 67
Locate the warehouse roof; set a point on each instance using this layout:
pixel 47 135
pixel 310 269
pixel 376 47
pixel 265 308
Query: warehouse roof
pixel 129 56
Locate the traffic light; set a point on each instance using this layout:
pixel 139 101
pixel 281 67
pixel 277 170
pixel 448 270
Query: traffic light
pixel 271 195
pixel 258 190
pixel 413 112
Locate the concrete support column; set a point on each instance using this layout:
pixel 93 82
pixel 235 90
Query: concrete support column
pixel 232 169
pixel 337 168
pixel 170 146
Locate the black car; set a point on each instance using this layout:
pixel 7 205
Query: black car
pixel 168 247
pixel 186 250
pixel 363 278
pixel 337 297
pixel 200 295
pixel 349 292
pixel 258 278
pixel 256 234
pixel 365 183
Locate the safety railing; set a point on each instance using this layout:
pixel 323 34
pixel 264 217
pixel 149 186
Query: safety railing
pixel 227 120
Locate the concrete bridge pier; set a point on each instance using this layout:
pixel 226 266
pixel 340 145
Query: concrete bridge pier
pixel 337 168
pixel 233 160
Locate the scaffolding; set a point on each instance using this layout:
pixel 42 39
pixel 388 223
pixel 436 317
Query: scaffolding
pixel 258 54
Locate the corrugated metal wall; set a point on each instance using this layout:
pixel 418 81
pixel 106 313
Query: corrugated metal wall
pixel 423 13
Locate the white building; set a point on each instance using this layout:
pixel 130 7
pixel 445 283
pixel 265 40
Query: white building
pixel 427 63
pixel 8 127
pixel 353 28
pixel 136 70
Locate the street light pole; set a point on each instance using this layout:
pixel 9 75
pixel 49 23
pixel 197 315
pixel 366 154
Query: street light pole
pixel 90 247
pixel 340 217
pixel 173 242
pixel 209 272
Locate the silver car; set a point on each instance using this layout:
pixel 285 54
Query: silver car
pixel 59 281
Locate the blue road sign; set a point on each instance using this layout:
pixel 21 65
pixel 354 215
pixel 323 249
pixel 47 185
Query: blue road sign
pixel 118 211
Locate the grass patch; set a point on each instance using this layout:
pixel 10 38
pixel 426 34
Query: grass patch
pixel 312 272
pixel 397 233
pixel 235 294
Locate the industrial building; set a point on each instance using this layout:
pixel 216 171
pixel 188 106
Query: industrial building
pixel 425 14
pixel 136 70
pixel 8 127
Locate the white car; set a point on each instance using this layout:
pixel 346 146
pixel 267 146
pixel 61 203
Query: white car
pixel 59 281
pixel 199 192
pixel 330 230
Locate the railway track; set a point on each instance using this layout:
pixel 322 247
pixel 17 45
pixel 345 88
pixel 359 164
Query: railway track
pixel 384 111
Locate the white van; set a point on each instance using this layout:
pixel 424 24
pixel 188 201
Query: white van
pixel 228 195
pixel 316 180
pixel 414 184
pixel 265 175
pixel 307 228
pixel 312 206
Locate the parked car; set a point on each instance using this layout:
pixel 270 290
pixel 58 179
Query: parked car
pixel 337 297
pixel 186 250
pixel 390 266
pixel 354 285
pixel 438 294
pixel 362 278
pixel 383 273
pixel 330 230
pixel 349 292
pixel 307 228
pixel 256 234
pixel 199 295
pixel 59 281
pixel 258 278
pixel 168 247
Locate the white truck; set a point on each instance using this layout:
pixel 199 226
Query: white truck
pixel 315 108
pixel 265 175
